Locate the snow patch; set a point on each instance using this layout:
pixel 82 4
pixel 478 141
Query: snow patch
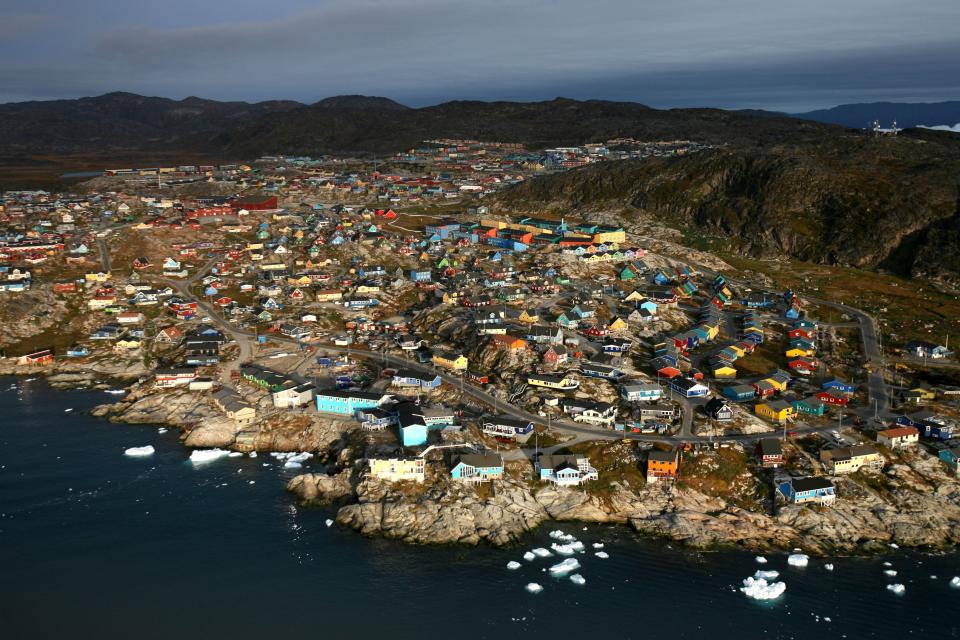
pixel 760 589
pixel 139 451
pixel 798 559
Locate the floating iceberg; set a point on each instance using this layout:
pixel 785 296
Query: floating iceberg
pixel 760 589
pixel 761 560
pixel 235 454
pixel 896 588
pixel 563 537
pixel 543 553
pixel 798 559
pixel 116 392
pixel 513 564
pixel 162 430
pixel 890 572
pixel 290 464
pixel 207 455
pixel 766 575
pixel 329 522
pixel 603 555
pixel 894 545
pixel 565 567
pixel 578 579
pixel 828 567
pixel 528 556
pixel 139 451
pixel 598 545
pixel 252 454
pixel 68 410
pixel 568 549
pixel 533 587
pixel 955 582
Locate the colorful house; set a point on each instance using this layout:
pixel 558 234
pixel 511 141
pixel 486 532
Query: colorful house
pixel 805 490
pixel 346 403
pixel 777 410
pixel 663 465
pixel 476 468
pixel 565 470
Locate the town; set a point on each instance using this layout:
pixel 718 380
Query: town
pixel 462 343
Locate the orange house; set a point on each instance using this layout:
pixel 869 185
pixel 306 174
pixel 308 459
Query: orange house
pixel 663 465
pixel 508 342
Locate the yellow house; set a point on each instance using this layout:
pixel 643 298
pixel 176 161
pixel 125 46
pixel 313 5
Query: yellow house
pixel 613 235
pixel 368 288
pixel 127 343
pixel 737 350
pixel 634 296
pixel 529 316
pixel 299 281
pixel 100 276
pixel 397 469
pixel 329 295
pixel 924 394
pixel 618 324
pixel 712 330
pixel 777 410
pixel 254 246
pixel 724 371
pixel 779 385
pixel 799 353
pixel 451 297
pixel 455 361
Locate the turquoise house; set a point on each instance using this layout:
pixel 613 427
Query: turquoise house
pixel 477 468
pixel 346 403
pixel 413 435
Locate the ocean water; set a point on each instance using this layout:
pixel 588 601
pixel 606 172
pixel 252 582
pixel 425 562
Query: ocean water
pixel 96 544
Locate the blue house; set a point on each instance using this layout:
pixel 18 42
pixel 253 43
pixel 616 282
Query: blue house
pixel 410 378
pixel 346 403
pixel 739 392
pixel 951 458
pixel 810 489
pixel 839 386
pixel 689 388
pixel 476 468
pixel 421 275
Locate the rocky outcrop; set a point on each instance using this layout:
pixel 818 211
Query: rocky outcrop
pixel 320 487
pixel 86 372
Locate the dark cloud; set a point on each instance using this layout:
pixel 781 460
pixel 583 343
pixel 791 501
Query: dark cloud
pixel 736 53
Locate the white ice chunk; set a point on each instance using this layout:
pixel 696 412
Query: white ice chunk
pixel 578 579
pixel 290 464
pixel 760 589
pixel 890 572
pixel 896 588
pixel 894 545
pixel 798 559
pixel 235 454
pixel 528 556
pixel 565 567
pixel 955 582
pixel 207 455
pixel 162 430
pixel 603 555
pixel 560 535
pixel 543 553
pixel 598 545
pixel 513 564
pixel 329 522
pixel 533 587
pixel 766 575
pixel 761 560
pixel 252 454
pixel 139 451
pixel 828 566
pixel 568 549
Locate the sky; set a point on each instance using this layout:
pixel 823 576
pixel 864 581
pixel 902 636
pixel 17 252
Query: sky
pixel 771 54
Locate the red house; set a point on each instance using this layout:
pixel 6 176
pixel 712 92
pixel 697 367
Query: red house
pixel 43 356
pixel 829 398
pixel 255 203
pixel 800 333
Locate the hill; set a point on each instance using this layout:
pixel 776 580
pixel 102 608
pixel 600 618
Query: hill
pixel 891 203
pixel 907 114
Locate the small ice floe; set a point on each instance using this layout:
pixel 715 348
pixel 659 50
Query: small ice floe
pixel 760 589
pixel 828 566
pixel 116 392
pixel 894 545
pixel 252 454
pixel 513 564
pixel 29 379
pixel 598 545
pixel 887 564
pixel 578 579
pixel 207 455
pixel 235 454
pixel 533 587
pixel 933 576
pixel 603 555
pixel 543 553
pixel 561 536
pixel 162 430
pixel 896 588
pixel 955 582
pixel 568 549
pixel 766 575
pixel 827 619
pixel 565 567
pixel 252 482
pixel 289 464
pixel 761 560
pixel 529 556
pixel 329 522
pixel 139 451
pixel 890 572
pixel 798 559
pixel 68 410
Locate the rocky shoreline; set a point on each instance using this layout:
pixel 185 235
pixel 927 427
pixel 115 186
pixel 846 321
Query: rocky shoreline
pixel 913 513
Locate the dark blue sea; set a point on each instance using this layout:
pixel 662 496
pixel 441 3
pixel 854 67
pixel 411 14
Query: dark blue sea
pixel 96 544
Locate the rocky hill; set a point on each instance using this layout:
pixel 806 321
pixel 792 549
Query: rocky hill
pixel 889 202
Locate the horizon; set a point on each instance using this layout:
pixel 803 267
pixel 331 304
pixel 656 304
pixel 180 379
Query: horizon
pixel 433 104
pixel 746 54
